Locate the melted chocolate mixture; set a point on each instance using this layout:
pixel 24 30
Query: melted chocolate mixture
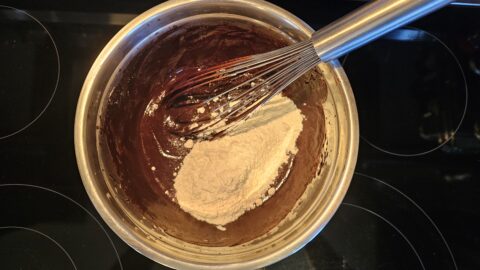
pixel 145 157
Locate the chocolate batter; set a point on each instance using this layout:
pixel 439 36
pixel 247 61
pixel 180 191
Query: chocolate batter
pixel 144 156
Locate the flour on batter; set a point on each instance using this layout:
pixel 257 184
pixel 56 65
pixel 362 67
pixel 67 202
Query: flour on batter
pixel 221 179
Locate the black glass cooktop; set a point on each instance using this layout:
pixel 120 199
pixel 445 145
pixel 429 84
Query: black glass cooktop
pixel 414 201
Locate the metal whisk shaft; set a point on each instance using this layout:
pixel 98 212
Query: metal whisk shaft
pixel 231 91
pixel 256 79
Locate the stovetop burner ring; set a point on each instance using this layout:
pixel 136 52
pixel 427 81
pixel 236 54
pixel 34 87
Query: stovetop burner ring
pixel 44 236
pixel 409 200
pixel 379 101
pixel 41 212
pixel 14 106
pixel 392 226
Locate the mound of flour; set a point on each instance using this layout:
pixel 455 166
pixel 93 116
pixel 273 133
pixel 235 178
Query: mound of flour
pixel 221 179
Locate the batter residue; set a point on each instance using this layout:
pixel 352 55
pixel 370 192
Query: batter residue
pixel 144 160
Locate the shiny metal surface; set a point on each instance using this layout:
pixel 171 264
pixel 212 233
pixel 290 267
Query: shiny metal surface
pixel 287 64
pixel 321 199
pixel 467 3
pixel 367 23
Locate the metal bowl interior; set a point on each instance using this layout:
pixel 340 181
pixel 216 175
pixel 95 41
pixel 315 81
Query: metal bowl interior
pixel 315 207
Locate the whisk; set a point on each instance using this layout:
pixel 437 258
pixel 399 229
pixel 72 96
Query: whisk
pixel 227 93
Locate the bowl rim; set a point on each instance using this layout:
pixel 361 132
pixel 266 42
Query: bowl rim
pixel 114 221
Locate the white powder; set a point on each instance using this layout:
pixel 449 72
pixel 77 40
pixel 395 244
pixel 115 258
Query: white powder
pixel 221 179
pixel 201 110
pixel 188 143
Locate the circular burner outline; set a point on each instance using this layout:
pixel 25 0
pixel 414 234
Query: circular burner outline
pixel 58 74
pixel 418 207
pixel 464 109
pixel 76 203
pixel 44 235
pixel 391 225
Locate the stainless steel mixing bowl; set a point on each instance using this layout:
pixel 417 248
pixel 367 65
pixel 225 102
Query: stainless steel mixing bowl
pixel 319 202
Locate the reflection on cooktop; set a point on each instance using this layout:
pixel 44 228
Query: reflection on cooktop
pixel 411 92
